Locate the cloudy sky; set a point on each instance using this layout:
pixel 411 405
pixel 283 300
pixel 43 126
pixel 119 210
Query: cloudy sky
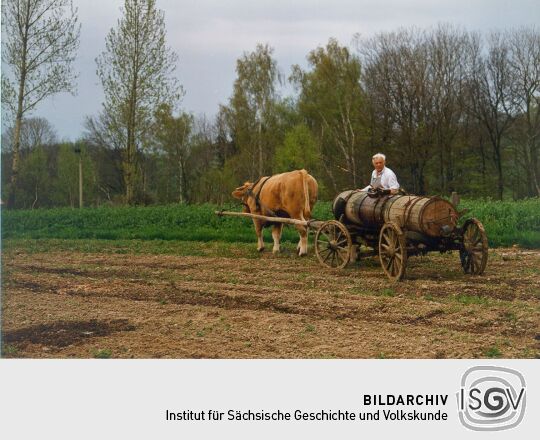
pixel 209 35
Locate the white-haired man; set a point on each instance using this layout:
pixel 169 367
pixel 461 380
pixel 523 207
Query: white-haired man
pixel 382 177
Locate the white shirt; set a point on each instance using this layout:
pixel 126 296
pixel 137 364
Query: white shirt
pixel 388 179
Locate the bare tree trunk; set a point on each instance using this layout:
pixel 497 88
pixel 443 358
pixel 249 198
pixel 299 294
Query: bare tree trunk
pixel 18 125
pixel 128 170
pixel 36 197
pixel 261 165
pixel 498 163
pixel 16 158
pixel 483 157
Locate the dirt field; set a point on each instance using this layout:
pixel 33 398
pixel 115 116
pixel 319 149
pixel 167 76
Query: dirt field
pixel 83 304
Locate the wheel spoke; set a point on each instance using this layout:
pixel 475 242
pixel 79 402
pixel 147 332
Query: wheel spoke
pixel 468 263
pixel 473 264
pixel 477 239
pixel 326 258
pixel 323 234
pixel 394 267
pixel 399 265
pixel 342 250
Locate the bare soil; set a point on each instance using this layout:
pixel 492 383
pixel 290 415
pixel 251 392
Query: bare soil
pixel 80 305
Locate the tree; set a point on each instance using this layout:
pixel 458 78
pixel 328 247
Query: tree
pixel 397 82
pixel 331 100
pixel 35 183
pixel 34 133
pixel 172 136
pixel 299 150
pixel 42 40
pixel 524 61
pixel 136 74
pixel 492 100
pixel 251 108
pixel 447 79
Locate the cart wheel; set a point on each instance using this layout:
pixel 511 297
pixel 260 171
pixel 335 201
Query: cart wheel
pixel 333 244
pixel 474 251
pixel 392 251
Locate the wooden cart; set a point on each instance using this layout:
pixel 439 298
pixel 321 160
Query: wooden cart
pixel 394 227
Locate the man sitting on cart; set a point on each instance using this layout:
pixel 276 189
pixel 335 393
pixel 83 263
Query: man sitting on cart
pixel 383 179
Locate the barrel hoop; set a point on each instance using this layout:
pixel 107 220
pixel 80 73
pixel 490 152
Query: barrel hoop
pixel 350 194
pixel 421 214
pixel 382 201
pixel 410 205
pixel 451 215
pixel 392 199
pixel 360 207
pixel 384 208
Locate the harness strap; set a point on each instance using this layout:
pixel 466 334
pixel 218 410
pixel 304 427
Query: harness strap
pixel 258 202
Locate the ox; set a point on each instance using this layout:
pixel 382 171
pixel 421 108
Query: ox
pixel 291 194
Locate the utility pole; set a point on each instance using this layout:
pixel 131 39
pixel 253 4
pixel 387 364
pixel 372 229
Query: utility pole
pixel 78 151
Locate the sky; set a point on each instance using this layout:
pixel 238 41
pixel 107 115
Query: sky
pixel 210 35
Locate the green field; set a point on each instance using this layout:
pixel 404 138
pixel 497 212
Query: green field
pixel 507 223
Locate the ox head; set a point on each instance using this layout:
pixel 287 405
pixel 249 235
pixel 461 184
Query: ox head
pixel 241 193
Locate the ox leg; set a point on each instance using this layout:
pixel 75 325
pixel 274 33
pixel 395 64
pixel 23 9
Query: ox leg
pixel 276 235
pixel 303 243
pixel 259 232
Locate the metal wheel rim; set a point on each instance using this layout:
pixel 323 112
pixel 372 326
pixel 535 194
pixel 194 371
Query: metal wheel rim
pixel 474 248
pixel 338 254
pixel 392 252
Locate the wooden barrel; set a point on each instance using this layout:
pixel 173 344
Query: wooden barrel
pixel 432 216
pixel 366 211
pixel 338 206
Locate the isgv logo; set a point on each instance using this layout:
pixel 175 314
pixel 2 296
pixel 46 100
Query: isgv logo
pixel 491 398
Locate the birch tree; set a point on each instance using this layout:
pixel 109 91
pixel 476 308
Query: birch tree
pixel 41 45
pixel 252 105
pixel 331 100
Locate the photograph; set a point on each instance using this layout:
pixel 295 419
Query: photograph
pixel 270 179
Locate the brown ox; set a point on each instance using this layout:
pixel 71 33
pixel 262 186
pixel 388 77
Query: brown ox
pixel 291 194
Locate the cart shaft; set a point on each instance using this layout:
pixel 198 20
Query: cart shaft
pixel 285 220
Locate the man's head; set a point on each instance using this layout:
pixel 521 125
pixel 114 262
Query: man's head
pixel 378 160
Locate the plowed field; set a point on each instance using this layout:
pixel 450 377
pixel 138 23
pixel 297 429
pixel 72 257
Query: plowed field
pixel 229 302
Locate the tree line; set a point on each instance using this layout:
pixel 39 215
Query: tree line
pixel 453 110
